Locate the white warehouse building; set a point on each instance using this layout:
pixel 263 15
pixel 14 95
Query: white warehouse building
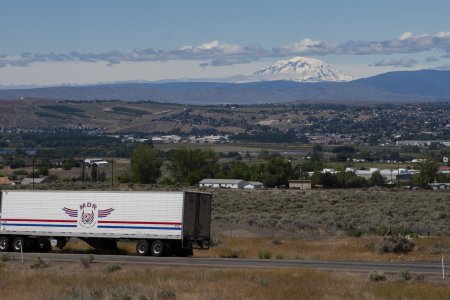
pixel 231 184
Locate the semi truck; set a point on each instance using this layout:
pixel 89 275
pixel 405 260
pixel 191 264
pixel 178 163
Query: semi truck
pixel 161 223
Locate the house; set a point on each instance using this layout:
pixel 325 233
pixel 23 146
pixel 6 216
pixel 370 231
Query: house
pixel 254 185
pixel 29 180
pixel 95 162
pixel 223 183
pixel 440 186
pixel 300 184
pixel 444 170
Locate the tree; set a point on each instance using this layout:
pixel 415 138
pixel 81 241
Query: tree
pixel 376 179
pixel 145 165
pixel 189 166
pixel 317 153
pixel 236 170
pixel 276 172
pixel 427 172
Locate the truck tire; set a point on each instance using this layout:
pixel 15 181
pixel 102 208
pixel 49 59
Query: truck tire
pixel 18 244
pixel 157 248
pixel 142 247
pixel 5 243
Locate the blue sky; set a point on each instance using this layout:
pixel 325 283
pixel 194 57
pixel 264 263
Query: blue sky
pixel 58 42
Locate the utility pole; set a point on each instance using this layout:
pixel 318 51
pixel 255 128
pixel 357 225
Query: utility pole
pixel 82 171
pixel 112 170
pixel 33 172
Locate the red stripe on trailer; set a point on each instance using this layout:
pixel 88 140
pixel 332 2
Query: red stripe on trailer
pixel 134 222
pixel 39 220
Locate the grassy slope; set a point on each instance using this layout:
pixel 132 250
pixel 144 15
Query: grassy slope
pixel 368 210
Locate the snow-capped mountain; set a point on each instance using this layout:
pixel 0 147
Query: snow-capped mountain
pixel 300 69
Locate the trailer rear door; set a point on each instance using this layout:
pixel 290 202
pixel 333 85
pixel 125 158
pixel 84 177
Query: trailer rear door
pixel 197 220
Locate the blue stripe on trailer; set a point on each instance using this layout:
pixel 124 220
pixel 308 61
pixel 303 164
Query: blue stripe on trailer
pixel 138 227
pixel 39 225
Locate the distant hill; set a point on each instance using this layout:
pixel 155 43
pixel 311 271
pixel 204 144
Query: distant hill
pixel 407 86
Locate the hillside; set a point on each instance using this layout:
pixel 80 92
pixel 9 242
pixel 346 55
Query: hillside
pixel 412 86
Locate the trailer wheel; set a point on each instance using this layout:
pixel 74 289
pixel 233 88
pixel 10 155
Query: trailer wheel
pixel 157 248
pixel 18 244
pixel 4 243
pixel 142 247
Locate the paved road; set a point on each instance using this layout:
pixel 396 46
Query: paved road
pixel 417 267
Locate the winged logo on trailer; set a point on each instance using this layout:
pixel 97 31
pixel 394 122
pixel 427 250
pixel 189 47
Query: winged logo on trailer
pixel 87 214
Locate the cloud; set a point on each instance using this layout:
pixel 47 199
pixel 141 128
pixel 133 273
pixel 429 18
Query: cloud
pixel 306 47
pixel 218 53
pixel 431 59
pixel 443 68
pixel 405 43
pixel 403 62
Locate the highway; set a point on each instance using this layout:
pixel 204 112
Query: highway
pixel 416 267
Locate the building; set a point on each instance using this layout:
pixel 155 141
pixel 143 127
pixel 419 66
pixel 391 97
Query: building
pixel 223 183
pixel 300 184
pixel 95 162
pixel 440 186
pixel 444 170
pixel 254 185
pixel 29 180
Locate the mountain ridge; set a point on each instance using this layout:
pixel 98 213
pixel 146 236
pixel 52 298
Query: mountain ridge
pixel 399 86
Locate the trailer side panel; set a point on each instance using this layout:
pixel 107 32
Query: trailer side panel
pixel 93 214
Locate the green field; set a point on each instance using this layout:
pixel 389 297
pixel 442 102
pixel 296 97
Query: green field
pixel 67 110
pixel 128 111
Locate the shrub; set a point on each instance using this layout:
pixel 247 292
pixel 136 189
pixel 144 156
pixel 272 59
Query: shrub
pixel 112 267
pixel 261 281
pixel 229 253
pixel 404 275
pixel 166 293
pixel 419 277
pixel 377 276
pixel 353 232
pixel 370 246
pixel 280 256
pixel 5 257
pixel 87 260
pixel 40 262
pixel 396 244
pixel 276 242
pixel 264 254
pixel 215 241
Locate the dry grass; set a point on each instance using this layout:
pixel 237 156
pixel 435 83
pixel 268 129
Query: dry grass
pixel 364 248
pixel 73 281
pixel 334 248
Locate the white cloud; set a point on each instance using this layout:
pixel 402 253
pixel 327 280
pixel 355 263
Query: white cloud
pixel 405 43
pixel 306 46
pixel 218 53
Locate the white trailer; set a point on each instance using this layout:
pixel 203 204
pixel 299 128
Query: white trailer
pixel 162 223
